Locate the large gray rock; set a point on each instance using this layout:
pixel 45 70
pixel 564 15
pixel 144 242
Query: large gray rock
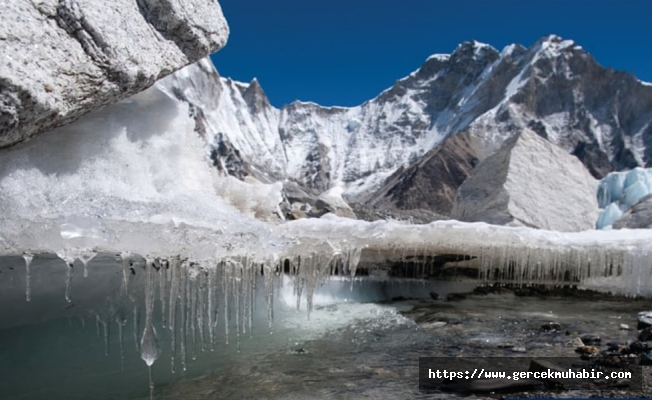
pixel 639 216
pixel 529 182
pixel 64 58
pixel 432 181
pixel 331 201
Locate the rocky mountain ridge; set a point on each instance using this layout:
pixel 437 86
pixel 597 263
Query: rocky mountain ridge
pixel 438 122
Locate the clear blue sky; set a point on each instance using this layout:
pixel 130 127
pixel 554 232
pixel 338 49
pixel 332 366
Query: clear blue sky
pixel 343 52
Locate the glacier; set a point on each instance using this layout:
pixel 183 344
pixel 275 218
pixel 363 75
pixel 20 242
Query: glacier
pixel 128 217
pixel 619 191
pixel 136 179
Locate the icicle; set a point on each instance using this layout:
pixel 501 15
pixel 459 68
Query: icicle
pixel 200 308
pixel 68 282
pixel 122 322
pixel 85 256
pixel 354 260
pixel 192 320
pixel 162 279
pixel 136 328
pixel 106 337
pixel 269 295
pixel 126 273
pixel 237 290
pixel 28 277
pixel 252 297
pixel 149 345
pixel 225 288
pixel 218 276
pixel 174 293
pixel 183 306
pixel 211 301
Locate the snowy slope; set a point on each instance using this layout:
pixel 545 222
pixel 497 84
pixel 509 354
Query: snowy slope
pixel 554 88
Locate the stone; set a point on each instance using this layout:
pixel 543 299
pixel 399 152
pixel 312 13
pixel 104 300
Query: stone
pixel 638 347
pixel 645 335
pixel 591 340
pixel 644 319
pixel 331 201
pixel 64 58
pixel 456 296
pixel 550 327
pixel 587 350
pixel 434 295
pixel 529 182
pixel 433 325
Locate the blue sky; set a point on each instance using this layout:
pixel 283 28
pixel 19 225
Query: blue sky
pixel 343 52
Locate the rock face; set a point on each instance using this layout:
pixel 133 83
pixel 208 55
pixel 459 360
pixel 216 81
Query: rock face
pixel 64 58
pixel 639 216
pixel 430 183
pixel 529 182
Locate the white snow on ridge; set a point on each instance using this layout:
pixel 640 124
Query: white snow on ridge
pixel 439 57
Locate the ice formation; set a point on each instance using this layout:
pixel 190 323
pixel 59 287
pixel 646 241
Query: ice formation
pixel 134 181
pixel 619 191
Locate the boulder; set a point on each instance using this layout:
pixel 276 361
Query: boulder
pixel 529 182
pixel 64 58
pixel 644 319
pixel 637 217
pixel 331 201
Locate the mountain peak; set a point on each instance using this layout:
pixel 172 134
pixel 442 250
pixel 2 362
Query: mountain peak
pixel 553 45
pixel 255 96
pixel 474 49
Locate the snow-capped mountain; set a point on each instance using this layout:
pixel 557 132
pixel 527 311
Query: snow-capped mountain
pixel 383 150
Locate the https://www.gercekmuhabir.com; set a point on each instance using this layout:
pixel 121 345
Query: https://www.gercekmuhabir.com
pixel 477 374
pixel 516 375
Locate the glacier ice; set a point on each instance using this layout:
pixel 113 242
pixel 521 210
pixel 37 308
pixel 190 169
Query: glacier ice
pixel 132 186
pixel 618 191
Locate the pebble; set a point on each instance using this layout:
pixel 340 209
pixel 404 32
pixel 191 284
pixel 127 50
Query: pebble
pixel 587 350
pixel 591 340
pixel 550 327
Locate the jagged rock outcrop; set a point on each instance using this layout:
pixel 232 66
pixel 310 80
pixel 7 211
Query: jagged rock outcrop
pixel 639 216
pixel 64 58
pixel 529 182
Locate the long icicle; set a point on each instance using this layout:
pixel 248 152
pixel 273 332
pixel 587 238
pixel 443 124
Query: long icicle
pixel 183 310
pixel 28 277
pixel 174 293
pixel 150 350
